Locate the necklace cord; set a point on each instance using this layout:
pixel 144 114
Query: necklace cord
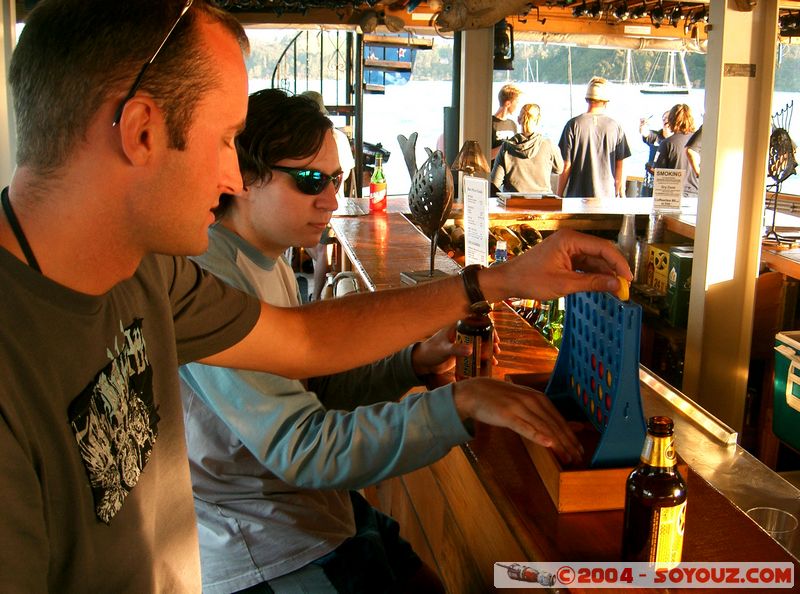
pixel 18 233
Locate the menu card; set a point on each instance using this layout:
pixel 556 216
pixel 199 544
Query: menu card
pixel 476 220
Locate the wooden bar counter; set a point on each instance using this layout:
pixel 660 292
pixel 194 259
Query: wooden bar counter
pixel 484 502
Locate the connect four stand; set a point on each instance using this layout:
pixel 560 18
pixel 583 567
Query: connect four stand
pixel 598 368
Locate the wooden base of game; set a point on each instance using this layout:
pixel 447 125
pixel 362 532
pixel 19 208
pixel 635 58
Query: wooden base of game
pixel 580 488
pixel 577 488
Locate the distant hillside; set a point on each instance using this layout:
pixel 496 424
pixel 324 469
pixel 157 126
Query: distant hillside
pixel 532 61
pixel 787 71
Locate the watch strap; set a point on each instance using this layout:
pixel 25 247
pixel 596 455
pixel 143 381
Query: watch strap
pixel 477 301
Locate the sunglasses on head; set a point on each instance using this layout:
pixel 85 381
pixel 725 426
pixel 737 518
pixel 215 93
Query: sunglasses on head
pixel 138 81
pixel 311 181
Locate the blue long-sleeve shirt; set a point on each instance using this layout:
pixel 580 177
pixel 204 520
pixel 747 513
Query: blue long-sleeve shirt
pixel 272 460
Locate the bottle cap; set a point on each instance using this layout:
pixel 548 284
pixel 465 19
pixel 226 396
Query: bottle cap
pixel 660 426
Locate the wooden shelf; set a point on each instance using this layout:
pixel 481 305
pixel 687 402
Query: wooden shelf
pixel 398 42
pixel 387 65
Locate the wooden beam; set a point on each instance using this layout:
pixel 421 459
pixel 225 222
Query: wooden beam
pixel 388 65
pixel 398 41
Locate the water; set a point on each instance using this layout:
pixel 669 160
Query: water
pixel 418 106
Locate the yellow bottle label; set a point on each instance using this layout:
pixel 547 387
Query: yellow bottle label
pixel 668 525
pixel 659 451
pixel 471 365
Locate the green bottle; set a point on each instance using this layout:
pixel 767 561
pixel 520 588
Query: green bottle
pixel 557 323
pixel 377 187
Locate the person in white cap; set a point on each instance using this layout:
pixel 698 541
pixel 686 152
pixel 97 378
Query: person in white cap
pixel 593 146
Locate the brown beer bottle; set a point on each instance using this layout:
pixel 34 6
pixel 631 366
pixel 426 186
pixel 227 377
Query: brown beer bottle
pixel 457 239
pixel 655 501
pixel 476 329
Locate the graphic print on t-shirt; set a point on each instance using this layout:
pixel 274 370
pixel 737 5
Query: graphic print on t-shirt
pixel 505 134
pixel 115 422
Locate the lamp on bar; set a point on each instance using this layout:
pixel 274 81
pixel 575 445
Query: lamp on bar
pixel 470 159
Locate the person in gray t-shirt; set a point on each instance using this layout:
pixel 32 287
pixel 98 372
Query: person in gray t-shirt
pixel 593 146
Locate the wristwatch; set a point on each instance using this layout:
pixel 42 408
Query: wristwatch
pixel 477 302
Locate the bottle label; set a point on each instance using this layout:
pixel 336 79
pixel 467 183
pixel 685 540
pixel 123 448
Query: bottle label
pixel 377 196
pixel 668 525
pixel 471 365
pixel 659 451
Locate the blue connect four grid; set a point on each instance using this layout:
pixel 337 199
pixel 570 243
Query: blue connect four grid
pixel 598 368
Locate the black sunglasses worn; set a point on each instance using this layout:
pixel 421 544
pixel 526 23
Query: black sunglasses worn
pixel 311 181
pixel 138 81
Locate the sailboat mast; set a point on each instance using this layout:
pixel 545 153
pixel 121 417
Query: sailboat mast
pixel 669 71
pixel 628 67
pixel 686 82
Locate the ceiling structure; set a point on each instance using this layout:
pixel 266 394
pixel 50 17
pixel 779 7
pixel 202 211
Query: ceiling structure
pixel 531 19
pixel 643 19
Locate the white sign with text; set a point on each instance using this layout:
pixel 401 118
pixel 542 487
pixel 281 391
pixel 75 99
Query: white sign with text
pixel 667 189
pixel 476 220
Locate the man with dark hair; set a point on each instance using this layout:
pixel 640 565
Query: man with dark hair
pixel 295 517
pixel 117 175
pixel 269 440
pixel 593 146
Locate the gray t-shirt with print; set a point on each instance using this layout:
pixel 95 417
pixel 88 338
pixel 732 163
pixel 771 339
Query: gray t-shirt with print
pixel 95 493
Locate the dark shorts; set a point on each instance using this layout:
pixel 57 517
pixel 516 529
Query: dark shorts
pixel 376 560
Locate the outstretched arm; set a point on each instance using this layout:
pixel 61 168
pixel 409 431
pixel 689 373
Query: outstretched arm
pixel 363 327
pixel 618 179
pixel 430 363
pixel 562 180
pixel 298 440
pixel 694 160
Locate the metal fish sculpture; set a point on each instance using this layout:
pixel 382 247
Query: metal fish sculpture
pixel 408 146
pixel 431 195
pixel 460 15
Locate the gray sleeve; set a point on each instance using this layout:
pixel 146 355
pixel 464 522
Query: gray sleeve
pixel 383 380
pixel 558 160
pixel 623 150
pixel 209 315
pixel 498 169
pixel 566 141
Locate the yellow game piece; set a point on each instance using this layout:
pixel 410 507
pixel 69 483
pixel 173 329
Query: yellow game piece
pixel 624 291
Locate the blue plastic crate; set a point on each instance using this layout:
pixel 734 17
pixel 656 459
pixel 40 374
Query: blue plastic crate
pixel 598 368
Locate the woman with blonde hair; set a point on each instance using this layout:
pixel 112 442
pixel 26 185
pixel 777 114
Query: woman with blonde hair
pixel 671 152
pixel 526 161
